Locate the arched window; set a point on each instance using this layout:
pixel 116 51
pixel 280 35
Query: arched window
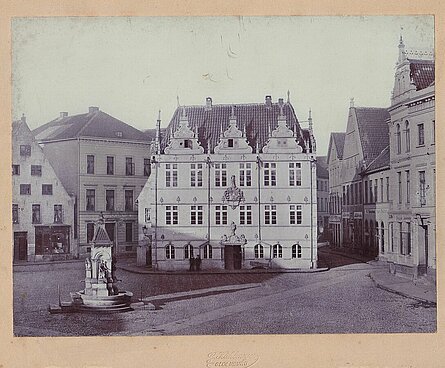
pixel 376 238
pixel 277 251
pixel 296 251
pixel 382 237
pixel 170 251
pixel 399 140
pixel 259 251
pixel 207 251
pixel 188 251
pixel 407 137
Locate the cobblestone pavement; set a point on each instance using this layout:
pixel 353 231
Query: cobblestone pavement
pixel 342 300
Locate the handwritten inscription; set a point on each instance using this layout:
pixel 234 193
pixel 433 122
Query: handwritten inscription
pixel 230 359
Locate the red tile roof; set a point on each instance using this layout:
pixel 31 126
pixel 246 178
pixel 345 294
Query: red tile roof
pixel 422 73
pixel 94 124
pixel 257 119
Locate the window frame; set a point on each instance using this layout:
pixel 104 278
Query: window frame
pixel 90 164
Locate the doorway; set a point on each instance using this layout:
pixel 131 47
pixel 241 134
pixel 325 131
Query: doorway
pixel 21 245
pixel 232 257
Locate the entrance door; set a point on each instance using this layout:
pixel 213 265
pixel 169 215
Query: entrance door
pixel 232 257
pixel 109 228
pixel 21 245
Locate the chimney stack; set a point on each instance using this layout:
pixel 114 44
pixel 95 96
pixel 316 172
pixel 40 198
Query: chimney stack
pixel 268 101
pixel 208 103
pixel 63 114
pixel 23 118
pixel 280 101
pixel 92 109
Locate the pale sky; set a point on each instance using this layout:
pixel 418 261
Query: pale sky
pixel 132 67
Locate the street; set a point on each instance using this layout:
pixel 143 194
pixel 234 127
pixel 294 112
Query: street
pixel 341 300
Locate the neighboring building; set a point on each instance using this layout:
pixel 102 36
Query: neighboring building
pixel 235 185
pixel 334 162
pixel 322 198
pixel 412 248
pixel 366 137
pixel 42 210
pixel 105 163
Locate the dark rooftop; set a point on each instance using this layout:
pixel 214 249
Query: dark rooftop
pixel 339 141
pixel 422 73
pixel 380 162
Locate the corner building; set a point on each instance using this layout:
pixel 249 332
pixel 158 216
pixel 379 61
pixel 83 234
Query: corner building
pixel 235 185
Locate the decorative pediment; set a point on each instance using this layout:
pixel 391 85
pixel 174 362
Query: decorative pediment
pixel 184 140
pixel 101 238
pixel 233 239
pixel 282 139
pixel 233 140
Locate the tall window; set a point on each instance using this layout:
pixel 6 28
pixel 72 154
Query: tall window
pixel 129 166
pixel 171 175
pixel 422 188
pixel 196 175
pixel 220 175
pixel 295 214
pixel 90 164
pixel 170 251
pixel 147 167
pixel 110 165
pixel 259 251
pixel 91 199
pixel 196 215
pixel 366 192
pixel 270 174
pixel 15 213
pixel 270 214
pixel 382 237
pixel 398 139
pixel 58 214
pixel 25 150
pixel 221 215
pixel 295 174
pixel 90 231
pixel 36 214
pixel 407 186
pixel 171 215
pixel 401 237
pixel 36 170
pixel 371 197
pixel 109 200
pixel 421 134
pixel 47 189
pixel 407 137
pixel 375 191
pixel 188 251
pixel 277 251
pixel 391 230
pixel 296 251
pixel 399 174
pixel 382 198
pixel 15 169
pixel 245 174
pixel 25 189
pixel 128 232
pixel 147 215
pixel 208 251
pixel 408 238
pixel 245 215
pixel 387 188
pixel 129 200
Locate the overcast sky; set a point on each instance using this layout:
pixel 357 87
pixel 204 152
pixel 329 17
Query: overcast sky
pixel 132 67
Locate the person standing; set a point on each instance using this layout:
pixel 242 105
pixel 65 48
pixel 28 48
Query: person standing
pixel 198 263
pixel 192 263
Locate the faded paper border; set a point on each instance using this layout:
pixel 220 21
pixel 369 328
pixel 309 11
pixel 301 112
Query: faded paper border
pixel 347 350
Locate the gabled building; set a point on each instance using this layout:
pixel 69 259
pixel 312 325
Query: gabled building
pixel 42 209
pixel 104 163
pixel 234 185
pixel 412 227
pixel 322 198
pixel 334 162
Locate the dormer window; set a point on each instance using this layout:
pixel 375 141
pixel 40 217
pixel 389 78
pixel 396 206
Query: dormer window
pixel 230 142
pixel 118 134
pixel 187 143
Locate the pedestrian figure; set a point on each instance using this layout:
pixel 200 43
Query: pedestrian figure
pixel 192 263
pixel 198 263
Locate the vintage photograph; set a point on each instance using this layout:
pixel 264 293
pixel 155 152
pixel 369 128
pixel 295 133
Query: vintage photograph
pixel 223 175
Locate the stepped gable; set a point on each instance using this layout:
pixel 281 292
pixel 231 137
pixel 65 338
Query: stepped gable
pixel 256 120
pixel 95 123
pixel 373 130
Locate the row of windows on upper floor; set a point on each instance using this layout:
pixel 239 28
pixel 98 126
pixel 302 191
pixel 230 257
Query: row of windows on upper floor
pixel 36 217
pixel 36 170
pixel 110 195
pixel 354 193
pixel 246 179
pixel 129 228
pixel 406 142
pixel 25 189
pixel 259 251
pixel 323 185
pixel 196 215
pixel 322 204
pixel 130 167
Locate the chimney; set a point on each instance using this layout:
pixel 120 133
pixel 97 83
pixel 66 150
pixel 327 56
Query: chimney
pixel 280 101
pixel 63 114
pixel 92 109
pixel 23 118
pixel 208 103
pixel 268 101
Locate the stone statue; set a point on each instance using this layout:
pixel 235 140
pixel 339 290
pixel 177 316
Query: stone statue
pixel 232 179
pixel 233 225
pixel 88 268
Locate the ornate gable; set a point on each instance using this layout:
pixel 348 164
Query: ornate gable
pixel 233 140
pixel 282 138
pixel 184 140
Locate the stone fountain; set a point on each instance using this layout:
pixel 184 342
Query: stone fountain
pixel 101 293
